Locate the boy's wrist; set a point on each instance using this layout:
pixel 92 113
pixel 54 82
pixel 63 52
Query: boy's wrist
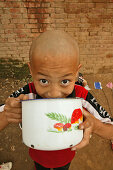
pixel 97 126
pixel 3 120
pixel 104 130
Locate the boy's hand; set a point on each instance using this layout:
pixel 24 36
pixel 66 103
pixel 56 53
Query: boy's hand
pixel 13 108
pixel 88 126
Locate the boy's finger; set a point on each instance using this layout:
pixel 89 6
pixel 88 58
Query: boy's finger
pixel 10 120
pixel 23 97
pixel 11 115
pixel 86 113
pixel 84 125
pixel 12 102
pixel 12 110
pixel 16 102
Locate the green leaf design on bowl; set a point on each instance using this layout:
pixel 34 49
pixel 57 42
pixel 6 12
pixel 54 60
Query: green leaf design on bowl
pixel 58 117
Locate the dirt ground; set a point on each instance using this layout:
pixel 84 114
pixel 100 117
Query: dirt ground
pixel 96 156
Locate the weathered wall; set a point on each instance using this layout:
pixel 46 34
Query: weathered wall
pixel 89 21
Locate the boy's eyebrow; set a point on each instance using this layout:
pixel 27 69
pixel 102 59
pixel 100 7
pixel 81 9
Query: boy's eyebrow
pixel 42 74
pixel 62 76
pixel 67 74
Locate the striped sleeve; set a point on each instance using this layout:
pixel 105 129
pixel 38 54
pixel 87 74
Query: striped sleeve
pixel 96 109
pixel 28 89
pixel 2 107
pixel 23 90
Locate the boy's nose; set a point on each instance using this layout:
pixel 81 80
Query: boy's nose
pixel 54 92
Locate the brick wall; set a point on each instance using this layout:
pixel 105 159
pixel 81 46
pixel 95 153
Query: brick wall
pixel 89 21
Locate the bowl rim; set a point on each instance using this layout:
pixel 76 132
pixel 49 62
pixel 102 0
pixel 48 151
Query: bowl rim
pixel 53 99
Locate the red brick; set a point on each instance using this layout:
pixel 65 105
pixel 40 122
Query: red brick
pixel 63 15
pixel 25 15
pixel 17 4
pixel 45 5
pixel 40 21
pixel 23 44
pixel 76 8
pixel 9 31
pixel 59 25
pixel 71 25
pixel 34 35
pixel 15 10
pixel 22 35
pixel 32 11
pixel 96 20
pixel 27 39
pixel 93 33
pixel 11 40
pixel 49 10
pixel 18 21
pixel 16 16
pixel 31 25
pixel 1 11
pixel 69 29
pixel 74 20
pixel 2 4
pixel 57 4
pixel 34 30
pixel 104 34
pixel 60 21
pixel 2 31
pixel 30 0
pixel 33 21
pixel 110 55
pixel 59 0
pixel 23 10
pixel 110 5
pixel 37 16
pixel 99 1
pixel 58 10
pixel 31 4
pixel 101 5
pixel 4 21
pixel 44 0
pixel 10 26
pixel 21 31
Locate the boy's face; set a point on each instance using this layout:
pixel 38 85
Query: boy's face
pixel 54 77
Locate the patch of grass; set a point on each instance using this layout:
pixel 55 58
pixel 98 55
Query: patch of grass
pixel 10 68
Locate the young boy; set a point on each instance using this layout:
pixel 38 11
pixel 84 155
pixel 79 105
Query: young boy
pixel 54 65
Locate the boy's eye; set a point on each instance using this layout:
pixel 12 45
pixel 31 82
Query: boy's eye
pixel 65 82
pixel 43 81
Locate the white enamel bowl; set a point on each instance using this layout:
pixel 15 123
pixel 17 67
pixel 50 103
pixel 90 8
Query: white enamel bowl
pixel 51 124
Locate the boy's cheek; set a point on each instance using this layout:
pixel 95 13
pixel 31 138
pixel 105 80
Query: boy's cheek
pixel 40 90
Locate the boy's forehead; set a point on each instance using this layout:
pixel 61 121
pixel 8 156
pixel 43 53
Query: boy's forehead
pixel 54 44
pixel 59 66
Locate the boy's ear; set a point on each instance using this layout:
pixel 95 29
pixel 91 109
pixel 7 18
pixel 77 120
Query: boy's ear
pixel 78 68
pixel 77 72
pixel 29 68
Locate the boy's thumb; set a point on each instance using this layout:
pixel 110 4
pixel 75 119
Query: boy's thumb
pixel 85 113
pixel 23 97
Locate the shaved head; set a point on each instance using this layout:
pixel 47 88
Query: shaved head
pixel 54 43
pixel 54 64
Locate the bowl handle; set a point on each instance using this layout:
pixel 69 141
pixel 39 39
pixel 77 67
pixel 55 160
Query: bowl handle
pixel 20 125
